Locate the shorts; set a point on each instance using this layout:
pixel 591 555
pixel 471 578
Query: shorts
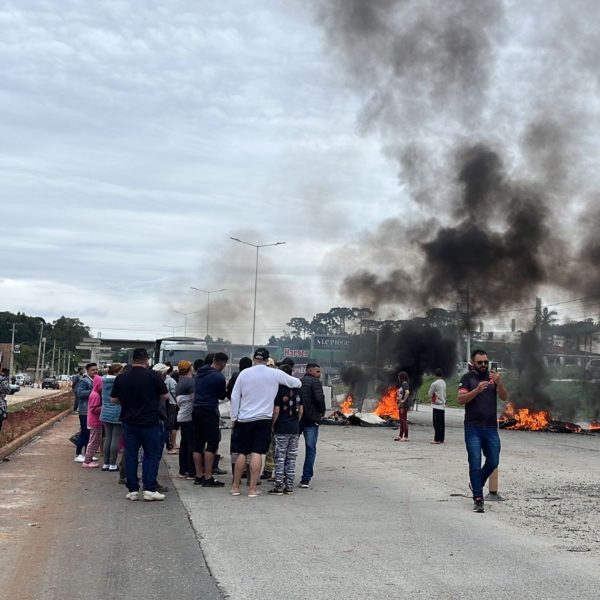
pixel 251 437
pixel 206 430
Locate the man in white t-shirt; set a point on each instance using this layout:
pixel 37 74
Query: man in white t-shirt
pixel 437 396
pixel 252 403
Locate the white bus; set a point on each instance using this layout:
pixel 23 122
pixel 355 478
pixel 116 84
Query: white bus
pixel 174 349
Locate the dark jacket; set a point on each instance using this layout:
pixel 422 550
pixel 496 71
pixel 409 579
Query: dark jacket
pixel 313 399
pixel 210 388
pixel 230 385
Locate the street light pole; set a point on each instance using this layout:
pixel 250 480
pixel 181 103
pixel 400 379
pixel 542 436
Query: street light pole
pixel 258 247
pixel 208 293
pixel 185 316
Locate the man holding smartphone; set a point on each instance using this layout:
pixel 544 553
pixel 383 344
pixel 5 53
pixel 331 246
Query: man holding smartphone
pixel 478 391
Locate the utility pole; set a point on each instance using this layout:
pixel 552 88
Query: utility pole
pixel 58 363
pixel 468 325
pixel 43 362
pixel 12 352
pixel 52 372
pixel 69 362
pixel 37 364
pixel 467 294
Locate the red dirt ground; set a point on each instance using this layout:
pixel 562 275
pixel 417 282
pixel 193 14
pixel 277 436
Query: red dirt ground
pixel 31 415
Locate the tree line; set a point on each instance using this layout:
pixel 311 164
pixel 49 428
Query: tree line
pixel 66 331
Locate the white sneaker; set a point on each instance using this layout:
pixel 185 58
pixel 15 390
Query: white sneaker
pixel 113 468
pixel 133 496
pixel 95 458
pixel 149 496
pixel 79 458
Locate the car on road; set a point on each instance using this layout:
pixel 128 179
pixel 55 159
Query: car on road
pixel 23 379
pixel 50 383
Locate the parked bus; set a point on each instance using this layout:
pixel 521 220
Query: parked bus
pixel 174 349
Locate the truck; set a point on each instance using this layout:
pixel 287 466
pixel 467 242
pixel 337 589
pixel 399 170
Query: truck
pixel 174 349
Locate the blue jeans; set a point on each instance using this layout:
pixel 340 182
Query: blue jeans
pixel 149 438
pixel 311 435
pixel 84 435
pixel 478 440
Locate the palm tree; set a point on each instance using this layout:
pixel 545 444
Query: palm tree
pixel 549 317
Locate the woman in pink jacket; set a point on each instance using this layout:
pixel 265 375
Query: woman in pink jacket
pixel 94 424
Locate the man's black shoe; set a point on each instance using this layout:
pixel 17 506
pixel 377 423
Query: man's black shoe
pixel 276 491
pixel 478 506
pixel 161 488
pixel 305 484
pixel 212 482
pixel 495 497
pixel 266 474
pixel 199 480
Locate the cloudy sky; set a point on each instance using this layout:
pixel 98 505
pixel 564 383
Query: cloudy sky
pixel 136 138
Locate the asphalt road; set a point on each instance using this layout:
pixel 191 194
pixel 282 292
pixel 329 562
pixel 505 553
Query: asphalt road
pixel 69 533
pixel 381 520
pixel 390 520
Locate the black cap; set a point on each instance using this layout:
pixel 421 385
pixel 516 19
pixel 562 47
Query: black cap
pixel 288 361
pixel 261 354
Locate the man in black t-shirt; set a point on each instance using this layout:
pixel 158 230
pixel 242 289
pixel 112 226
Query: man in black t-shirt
pixel 478 390
pixel 140 392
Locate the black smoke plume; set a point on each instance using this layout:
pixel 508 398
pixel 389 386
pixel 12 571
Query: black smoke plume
pixel 420 350
pixel 531 391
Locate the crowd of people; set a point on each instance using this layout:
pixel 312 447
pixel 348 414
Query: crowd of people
pixel 140 410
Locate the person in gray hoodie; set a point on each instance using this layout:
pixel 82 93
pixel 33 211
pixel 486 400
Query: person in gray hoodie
pixel 84 389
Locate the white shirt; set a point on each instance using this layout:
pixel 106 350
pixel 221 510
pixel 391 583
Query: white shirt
pixel 254 392
pixel 437 389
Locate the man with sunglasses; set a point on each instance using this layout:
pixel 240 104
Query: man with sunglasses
pixel 478 391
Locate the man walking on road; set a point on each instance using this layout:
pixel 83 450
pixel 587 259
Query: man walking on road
pixel 140 392
pixel 437 396
pixel 478 391
pixel 252 405
pixel 210 387
pixel 313 400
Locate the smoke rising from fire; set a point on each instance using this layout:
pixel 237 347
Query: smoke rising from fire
pixel 488 114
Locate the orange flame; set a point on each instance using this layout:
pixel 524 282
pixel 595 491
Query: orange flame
pixel 594 426
pixel 388 406
pixel 526 419
pixel 346 407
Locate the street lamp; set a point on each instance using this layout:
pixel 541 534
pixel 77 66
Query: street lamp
pixel 185 316
pixel 208 293
pixel 172 328
pixel 258 247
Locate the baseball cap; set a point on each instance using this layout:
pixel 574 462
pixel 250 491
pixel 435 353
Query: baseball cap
pixel 160 368
pixel 184 365
pixel 261 354
pixel 288 361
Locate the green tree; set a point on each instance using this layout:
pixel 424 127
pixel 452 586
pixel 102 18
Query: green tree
pixel 68 332
pixel 299 326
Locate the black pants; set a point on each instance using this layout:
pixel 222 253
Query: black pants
pixel 439 425
pixel 186 448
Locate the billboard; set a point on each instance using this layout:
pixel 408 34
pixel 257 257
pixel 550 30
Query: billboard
pixel 333 343
pixel 296 353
